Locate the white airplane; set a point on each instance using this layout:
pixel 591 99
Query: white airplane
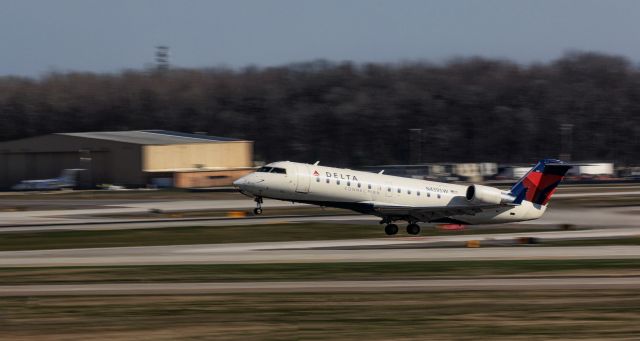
pixel 67 179
pixel 395 198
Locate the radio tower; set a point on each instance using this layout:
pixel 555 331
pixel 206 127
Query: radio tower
pixel 162 58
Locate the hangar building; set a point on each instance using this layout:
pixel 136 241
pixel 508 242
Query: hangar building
pixel 129 158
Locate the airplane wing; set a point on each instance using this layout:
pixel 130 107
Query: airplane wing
pixel 428 213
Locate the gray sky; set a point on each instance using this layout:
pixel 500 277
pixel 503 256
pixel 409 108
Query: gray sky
pixel 110 35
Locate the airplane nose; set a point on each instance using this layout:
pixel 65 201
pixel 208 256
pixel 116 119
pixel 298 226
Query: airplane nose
pixel 239 182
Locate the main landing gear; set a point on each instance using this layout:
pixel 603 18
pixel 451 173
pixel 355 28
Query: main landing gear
pixel 413 229
pixel 391 229
pixel 258 209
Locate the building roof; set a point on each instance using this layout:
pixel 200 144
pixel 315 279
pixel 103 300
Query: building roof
pixel 151 137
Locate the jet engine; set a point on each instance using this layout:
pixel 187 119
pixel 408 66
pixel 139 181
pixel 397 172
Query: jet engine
pixel 485 195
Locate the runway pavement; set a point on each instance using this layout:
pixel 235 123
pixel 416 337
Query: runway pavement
pixel 605 222
pixel 84 215
pixel 612 217
pixel 357 250
pixel 106 207
pixel 573 283
pixel 594 194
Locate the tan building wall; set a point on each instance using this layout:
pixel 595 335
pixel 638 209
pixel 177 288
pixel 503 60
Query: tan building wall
pixel 121 163
pixel 204 179
pixel 197 155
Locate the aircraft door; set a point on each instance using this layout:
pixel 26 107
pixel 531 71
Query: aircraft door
pixel 304 178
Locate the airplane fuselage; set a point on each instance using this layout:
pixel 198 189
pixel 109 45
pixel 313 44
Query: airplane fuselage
pixel 364 192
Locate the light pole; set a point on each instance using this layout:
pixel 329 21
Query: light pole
pixel 566 140
pixel 415 146
pixel 85 163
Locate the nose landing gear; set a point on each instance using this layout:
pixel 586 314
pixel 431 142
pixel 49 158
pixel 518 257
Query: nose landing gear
pixel 258 209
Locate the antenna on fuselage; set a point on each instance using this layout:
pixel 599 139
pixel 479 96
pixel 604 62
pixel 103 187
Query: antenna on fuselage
pixel 317 162
pixel 380 172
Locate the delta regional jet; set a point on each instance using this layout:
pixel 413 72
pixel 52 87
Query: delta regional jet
pixel 395 198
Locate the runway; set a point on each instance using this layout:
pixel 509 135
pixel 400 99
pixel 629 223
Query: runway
pixel 359 250
pixel 594 223
pixel 84 215
pixel 612 217
pixel 599 222
pixel 595 194
pixel 573 283
pixel 75 217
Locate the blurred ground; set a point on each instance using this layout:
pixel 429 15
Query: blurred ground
pixel 463 315
pixel 152 265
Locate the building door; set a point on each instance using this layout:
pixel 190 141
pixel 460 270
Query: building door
pixel 304 178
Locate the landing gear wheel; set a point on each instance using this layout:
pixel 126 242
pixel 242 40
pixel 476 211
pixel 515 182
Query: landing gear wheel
pixel 258 210
pixel 391 229
pixel 413 229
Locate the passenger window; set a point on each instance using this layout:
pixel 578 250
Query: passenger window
pixel 359 185
pixel 399 190
pixel 389 189
pixel 337 182
pixel 428 195
pixel 438 196
pixel 418 193
pixel 317 179
pixel 328 180
pixel 348 183
pixel 408 191
pixel 369 186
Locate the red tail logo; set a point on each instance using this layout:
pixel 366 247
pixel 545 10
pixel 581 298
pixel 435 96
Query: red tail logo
pixel 540 182
pixel 315 173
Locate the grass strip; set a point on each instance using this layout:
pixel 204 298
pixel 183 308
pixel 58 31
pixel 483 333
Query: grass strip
pixel 316 271
pixel 467 315
pixel 14 241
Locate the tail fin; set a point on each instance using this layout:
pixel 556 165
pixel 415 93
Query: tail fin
pixel 540 182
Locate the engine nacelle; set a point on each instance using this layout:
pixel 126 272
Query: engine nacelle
pixel 486 195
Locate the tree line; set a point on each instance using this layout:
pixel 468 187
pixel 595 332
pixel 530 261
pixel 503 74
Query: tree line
pixel 351 114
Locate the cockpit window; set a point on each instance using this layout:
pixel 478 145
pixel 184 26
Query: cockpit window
pixel 271 170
